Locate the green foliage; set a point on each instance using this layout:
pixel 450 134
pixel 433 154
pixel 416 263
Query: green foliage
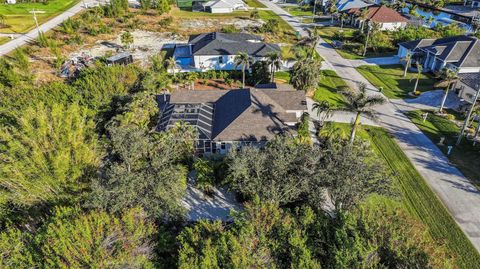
pixel 413 33
pixel 145 5
pixel 47 154
pixel 306 74
pixel 115 8
pixel 263 236
pixel 70 26
pixel 205 175
pixel 97 239
pixel 141 111
pixel 127 39
pixel 303 130
pixel 144 170
pixel 449 30
pixel 97 86
pixel 271 26
pixel 16 249
pixel 162 6
pixel 260 73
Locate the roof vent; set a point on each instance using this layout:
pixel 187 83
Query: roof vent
pixel 254 40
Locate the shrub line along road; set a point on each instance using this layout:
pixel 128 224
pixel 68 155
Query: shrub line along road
pixel 459 196
pixel 45 27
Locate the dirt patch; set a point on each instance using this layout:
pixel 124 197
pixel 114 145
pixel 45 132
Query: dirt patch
pixel 145 44
pixel 239 23
pixel 209 84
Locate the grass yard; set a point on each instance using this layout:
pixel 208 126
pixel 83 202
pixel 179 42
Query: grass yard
pixel 351 48
pixel 254 4
pixel 328 89
pixel 282 77
pixel 20 20
pixel 4 40
pixel 418 198
pixel 299 10
pixel 466 156
pixel 390 79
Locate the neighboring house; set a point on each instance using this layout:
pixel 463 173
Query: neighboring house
pixel 224 118
pixel 11 1
pixel 459 53
pixel 387 18
pixel 346 5
pixel 467 86
pixel 472 3
pixel 217 51
pixel 219 6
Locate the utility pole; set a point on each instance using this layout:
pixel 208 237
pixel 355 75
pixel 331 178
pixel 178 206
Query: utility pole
pixel 366 39
pixel 35 19
pixel 465 124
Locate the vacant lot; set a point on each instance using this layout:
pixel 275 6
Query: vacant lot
pixel 352 47
pixel 328 89
pixel 394 85
pixel 418 198
pixel 299 10
pixel 466 156
pixel 20 20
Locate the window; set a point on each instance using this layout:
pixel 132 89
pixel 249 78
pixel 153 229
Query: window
pixel 222 145
pixel 220 60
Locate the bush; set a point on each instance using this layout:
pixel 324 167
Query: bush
pixel 205 175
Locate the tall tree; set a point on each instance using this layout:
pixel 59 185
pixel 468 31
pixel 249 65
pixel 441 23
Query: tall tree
pixel 419 73
pixel 372 29
pixel 306 74
pixel 144 170
pixel 311 42
pixel 172 64
pixel 407 60
pixel 449 76
pixel 343 17
pixel 360 103
pixel 363 16
pixel 275 61
pixel 243 60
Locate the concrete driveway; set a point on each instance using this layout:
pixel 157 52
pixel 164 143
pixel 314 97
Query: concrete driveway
pixel 458 195
pixel 376 61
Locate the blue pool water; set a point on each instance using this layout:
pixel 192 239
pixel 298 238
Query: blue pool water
pixel 439 17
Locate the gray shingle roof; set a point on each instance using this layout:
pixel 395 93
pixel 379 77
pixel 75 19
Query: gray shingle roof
pixel 461 51
pixel 230 44
pixel 243 115
pixel 472 80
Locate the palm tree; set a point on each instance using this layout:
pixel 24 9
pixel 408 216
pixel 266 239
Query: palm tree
pixel 343 17
pixel 408 63
pixel 191 78
pixel 360 103
pixel 363 17
pixel 311 41
pixel 275 62
pixel 324 110
pixel 449 76
pixel 419 72
pixel 172 63
pixel 332 9
pixel 373 27
pixel 243 59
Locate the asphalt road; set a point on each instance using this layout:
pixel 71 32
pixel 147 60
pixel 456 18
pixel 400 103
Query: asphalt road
pixel 459 196
pixel 47 26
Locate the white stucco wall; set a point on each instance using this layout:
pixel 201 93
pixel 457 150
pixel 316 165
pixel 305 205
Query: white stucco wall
pixel 469 70
pixel 221 10
pixel 392 26
pixel 465 92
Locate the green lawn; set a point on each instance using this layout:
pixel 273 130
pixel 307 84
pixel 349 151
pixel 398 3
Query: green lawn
pixel 282 77
pixel 466 156
pixel 4 40
pixel 300 11
pixel 328 89
pixel 351 48
pixel 254 3
pixel 20 20
pixel 390 79
pixel 418 198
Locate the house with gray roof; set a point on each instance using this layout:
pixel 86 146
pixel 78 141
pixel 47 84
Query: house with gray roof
pixel 224 118
pixel 217 51
pixel 459 53
pixel 467 86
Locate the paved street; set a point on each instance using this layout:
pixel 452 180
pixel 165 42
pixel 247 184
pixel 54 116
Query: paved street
pixel 33 34
pixel 460 197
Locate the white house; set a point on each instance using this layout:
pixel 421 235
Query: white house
pixel 11 1
pixel 387 18
pixel 217 51
pixel 223 6
pixel 459 53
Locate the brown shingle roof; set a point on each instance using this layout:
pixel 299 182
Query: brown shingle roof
pixel 381 14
